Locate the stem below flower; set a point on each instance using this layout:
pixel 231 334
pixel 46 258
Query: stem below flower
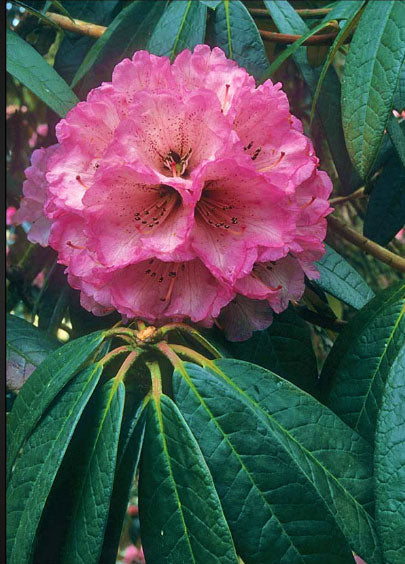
pixel 366 245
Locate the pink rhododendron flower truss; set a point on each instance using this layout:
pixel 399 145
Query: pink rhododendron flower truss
pixel 182 192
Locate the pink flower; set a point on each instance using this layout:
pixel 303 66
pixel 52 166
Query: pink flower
pixel 183 192
pixel 10 212
pixel 133 510
pixel 133 555
pixel 32 141
pixel 42 129
pixel 34 189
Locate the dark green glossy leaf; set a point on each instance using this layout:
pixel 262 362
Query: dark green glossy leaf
pixel 295 475
pixel 180 513
pixel 389 464
pixel 396 132
pixel 370 78
pixel 291 50
pixel 232 29
pixel 36 469
pixel 385 214
pixel 213 4
pixel 89 521
pixel 34 12
pixel 74 47
pixel 284 348
pixel 27 346
pixel 349 10
pixel 341 280
pixel 182 26
pixel 358 365
pixel 399 96
pixel 128 32
pixel 27 66
pixel 129 450
pixel 328 108
pixel 43 386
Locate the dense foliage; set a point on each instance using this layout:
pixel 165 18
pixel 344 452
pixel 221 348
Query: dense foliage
pixel 285 448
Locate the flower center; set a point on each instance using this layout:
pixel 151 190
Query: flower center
pixel 165 275
pixel 167 198
pixel 176 163
pixel 217 213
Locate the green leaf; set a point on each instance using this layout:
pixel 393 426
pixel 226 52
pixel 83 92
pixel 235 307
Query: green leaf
pixel 232 28
pixel 88 524
pixel 74 47
pixel 341 280
pixel 358 365
pixel 42 387
pixel 128 32
pixel 291 50
pixel 181 516
pixel 385 214
pixel 26 346
pixel 352 13
pixel 213 4
pixel 397 136
pixel 28 341
pixel 59 6
pixel 27 66
pixel 129 450
pixel 328 109
pixel 36 469
pixel 399 96
pixel 36 13
pixel 182 26
pixel 370 77
pixel 295 476
pixel 389 464
pixel 284 348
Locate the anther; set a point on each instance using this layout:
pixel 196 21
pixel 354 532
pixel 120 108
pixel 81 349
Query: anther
pixel 81 182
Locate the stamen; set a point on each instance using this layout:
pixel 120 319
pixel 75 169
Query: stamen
pixel 214 213
pixel 312 200
pixel 272 165
pixel 70 244
pixel 172 276
pixel 81 182
pixel 227 87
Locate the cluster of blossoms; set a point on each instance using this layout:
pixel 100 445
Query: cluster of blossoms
pixel 183 192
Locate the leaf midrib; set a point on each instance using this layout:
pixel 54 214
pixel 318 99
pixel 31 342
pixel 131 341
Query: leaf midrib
pixel 177 38
pixel 374 374
pixel 291 437
pixel 266 503
pixel 44 465
pixel 166 451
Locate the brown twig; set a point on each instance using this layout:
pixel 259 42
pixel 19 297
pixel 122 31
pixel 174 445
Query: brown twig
pixel 77 26
pixel 369 247
pixel 360 193
pixel 285 38
pixel 93 30
pixel 304 13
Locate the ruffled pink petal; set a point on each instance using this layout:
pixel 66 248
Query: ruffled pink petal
pixel 132 216
pixel 242 316
pixel 279 282
pixel 35 190
pixel 210 69
pixel 154 289
pixel 144 72
pixel 238 212
pixel 83 136
pixel 189 127
pixel 269 137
